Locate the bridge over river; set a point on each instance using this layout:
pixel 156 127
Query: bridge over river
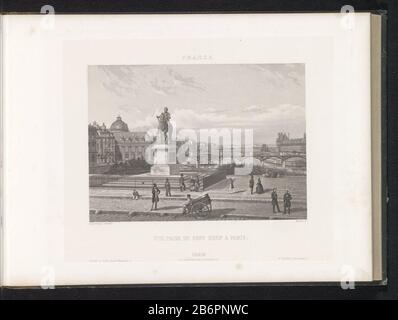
pixel 282 158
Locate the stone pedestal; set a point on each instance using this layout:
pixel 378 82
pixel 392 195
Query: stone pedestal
pixel 161 166
pixel 165 170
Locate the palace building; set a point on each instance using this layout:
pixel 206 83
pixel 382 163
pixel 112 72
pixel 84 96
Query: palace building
pixel 101 144
pixel 129 145
pixel 287 145
pixel 116 144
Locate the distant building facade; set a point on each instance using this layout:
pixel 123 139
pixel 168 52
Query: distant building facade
pixel 116 144
pixel 285 144
pixel 129 145
pixel 101 145
pixel 92 145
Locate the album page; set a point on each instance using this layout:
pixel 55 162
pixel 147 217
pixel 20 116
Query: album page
pixel 186 149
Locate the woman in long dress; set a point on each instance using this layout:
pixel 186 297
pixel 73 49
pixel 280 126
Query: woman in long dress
pixel 259 187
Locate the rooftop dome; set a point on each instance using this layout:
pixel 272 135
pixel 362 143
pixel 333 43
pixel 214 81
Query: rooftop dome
pixel 119 125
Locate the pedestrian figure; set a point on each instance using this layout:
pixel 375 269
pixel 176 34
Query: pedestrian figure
pixel 136 195
pixel 192 184
pixel 259 187
pixel 231 183
pixel 287 197
pixel 197 184
pixel 251 183
pixel 167 187
pixel 155 197
pixel 188 205
pixel 182 183
pixel 274 199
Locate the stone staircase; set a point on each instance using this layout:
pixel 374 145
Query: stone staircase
pixel 146 181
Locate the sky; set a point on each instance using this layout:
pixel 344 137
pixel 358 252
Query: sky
pixel 268 98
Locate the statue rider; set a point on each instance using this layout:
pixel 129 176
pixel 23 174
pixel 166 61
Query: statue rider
pixel 164 119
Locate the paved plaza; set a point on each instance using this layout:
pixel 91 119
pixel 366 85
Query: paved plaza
pixel 112 204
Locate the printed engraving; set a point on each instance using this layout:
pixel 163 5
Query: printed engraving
pixel 197 142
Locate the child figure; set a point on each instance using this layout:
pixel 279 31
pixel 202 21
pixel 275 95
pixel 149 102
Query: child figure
pixel 136 195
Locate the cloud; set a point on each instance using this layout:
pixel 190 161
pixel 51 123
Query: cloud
pixel 265 124
pixel 162 86
pixel 281 75
pixel 253 108
pixel 172 82
pixel 189 118
pixel 267 97
pixel 118 79
pixel 181 81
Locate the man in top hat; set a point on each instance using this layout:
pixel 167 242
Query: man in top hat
pixel 155 197
pixel 287 202
pixel 274 200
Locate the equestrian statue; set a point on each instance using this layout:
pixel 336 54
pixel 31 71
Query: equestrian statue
pixel 163 123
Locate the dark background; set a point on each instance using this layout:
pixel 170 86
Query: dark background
pixel 333 291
